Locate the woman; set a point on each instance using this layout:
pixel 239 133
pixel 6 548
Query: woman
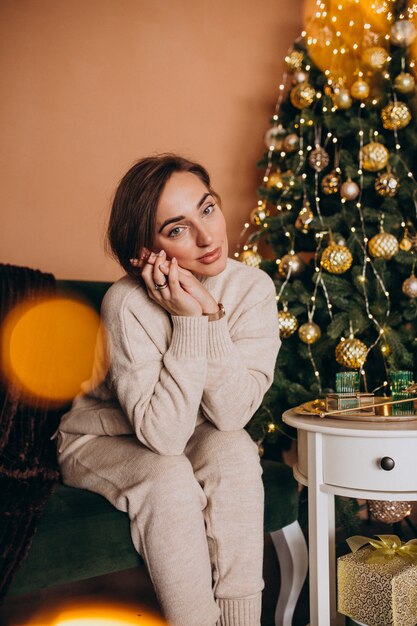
pixel 193 338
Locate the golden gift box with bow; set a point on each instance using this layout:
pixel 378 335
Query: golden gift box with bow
pixel 377 585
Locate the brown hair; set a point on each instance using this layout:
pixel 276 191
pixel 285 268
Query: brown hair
pixel 133 213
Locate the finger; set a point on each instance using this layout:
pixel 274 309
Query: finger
pixel 159 277
pixel 174 285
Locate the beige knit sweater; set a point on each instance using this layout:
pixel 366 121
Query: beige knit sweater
pixel 169 373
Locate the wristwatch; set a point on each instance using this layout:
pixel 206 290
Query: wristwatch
pixel 212 317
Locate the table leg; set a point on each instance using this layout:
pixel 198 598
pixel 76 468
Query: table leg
pixel 320 508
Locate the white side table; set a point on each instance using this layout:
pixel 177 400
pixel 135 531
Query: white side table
pixel 347 458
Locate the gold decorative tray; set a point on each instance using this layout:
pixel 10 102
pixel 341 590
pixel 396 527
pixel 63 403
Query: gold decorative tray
pixel 317 408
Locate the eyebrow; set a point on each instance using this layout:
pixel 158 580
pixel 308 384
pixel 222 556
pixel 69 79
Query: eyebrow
pixel 182 217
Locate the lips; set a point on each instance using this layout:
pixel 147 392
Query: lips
pixel 212 256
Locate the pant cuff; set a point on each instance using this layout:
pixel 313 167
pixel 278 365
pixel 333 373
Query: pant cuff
pixel 240 611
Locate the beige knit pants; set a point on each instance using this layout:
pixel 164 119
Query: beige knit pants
pixel 196 519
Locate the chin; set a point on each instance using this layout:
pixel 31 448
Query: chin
pixel 213 269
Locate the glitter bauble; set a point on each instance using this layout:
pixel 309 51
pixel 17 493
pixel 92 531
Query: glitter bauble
pixel 351 353
pixel 309 332
pixel 294 60
pixel 349 190
pixel 259 214
pixel 299 77
pixel 290 143
pixel 287 324
pixel 302 96
pixel 360 89
pixel 304 218
pixel 318 159
pixel 383 245
pixel 395 116
pixel 331 183
pixel 293 262
pixel 409 287
pixel 274 137
pixel 389 512
pixel 403 33
pixel 404 83
pixel 275 181
pixel 387 184
pixel 342 99
pixel 250 257
pixel 375 57
pixel 374 156
pixel 336 259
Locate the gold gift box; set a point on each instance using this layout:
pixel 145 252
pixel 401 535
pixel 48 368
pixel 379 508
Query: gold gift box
pixel 377 594
pixel 337 401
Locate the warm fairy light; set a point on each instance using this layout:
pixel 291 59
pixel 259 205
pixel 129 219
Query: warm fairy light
pixel 271 427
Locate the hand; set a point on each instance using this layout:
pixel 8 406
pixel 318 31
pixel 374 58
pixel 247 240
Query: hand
pixel 189 283
pixel 173 298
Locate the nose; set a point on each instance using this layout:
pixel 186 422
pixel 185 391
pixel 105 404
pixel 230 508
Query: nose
pixel 204 236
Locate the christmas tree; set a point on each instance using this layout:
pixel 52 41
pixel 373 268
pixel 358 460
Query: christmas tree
pixel 337 209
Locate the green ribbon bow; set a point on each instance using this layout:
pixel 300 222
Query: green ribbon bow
pixel 386 548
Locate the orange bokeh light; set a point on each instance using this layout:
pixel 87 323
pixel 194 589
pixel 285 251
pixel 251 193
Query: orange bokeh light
pixel 98 614
pixel 48 347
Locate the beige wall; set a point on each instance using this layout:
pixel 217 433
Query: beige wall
pixel 89 86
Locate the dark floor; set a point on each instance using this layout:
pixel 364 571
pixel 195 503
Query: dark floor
pixel 133 589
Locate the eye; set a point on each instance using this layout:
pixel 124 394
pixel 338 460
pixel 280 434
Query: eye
pixel 175 232
pixel 208 209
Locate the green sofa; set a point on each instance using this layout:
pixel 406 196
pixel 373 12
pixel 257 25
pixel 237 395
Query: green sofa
pixel 81 535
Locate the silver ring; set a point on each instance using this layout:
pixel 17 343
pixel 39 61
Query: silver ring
pixel 158 287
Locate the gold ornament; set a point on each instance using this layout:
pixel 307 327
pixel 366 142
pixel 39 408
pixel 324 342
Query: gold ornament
pixel 259 214
pixel 395 115
pixel 360 89
pixel 318 159
pixel 294 60
pixel 349 190
pixel 374 156
pixel 383 245
pixel 261 450
pixel 403 33
pixel 250 257
pixel 336 259
pixel 406 244
pixel 292 261
pixel 389 512
pixel 274 137
pixel 404 83
pixel 287 323
pixel 302 95
pixel 309 332
pixel 342 99
pixel 304 218
pixel 331 183
pixel 387 184
pixel 375 57
pixel 290 143
pixel 409 287
pixel 351 353
pixel 276 181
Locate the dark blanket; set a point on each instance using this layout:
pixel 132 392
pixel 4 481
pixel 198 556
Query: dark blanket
pixel 28 466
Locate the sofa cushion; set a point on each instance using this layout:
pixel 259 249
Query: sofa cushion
pixel 79 536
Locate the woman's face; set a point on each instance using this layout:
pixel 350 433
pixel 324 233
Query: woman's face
pixel 190 226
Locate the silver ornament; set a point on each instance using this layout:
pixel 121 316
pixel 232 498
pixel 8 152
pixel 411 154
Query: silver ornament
pixel 274 137
pixel 389 512
pixel 349 190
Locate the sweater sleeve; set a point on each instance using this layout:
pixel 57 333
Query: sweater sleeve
pixel 159 392
pixel 241 363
